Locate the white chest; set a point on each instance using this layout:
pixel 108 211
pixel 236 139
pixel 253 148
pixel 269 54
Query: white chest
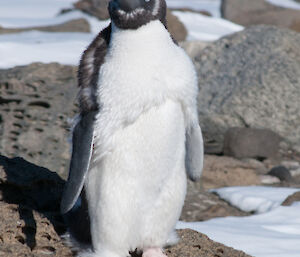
pixel 142 70
pixel 143 65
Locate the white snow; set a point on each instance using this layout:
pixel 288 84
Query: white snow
pixel 275 233
pixel 35 46
pixel 285 3
pixel 26 47
pixel 257 199
pixel 36 9
pixel 204 28
pixel 211 6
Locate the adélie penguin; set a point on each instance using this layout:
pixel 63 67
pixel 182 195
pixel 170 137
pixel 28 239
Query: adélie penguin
pixel 136 139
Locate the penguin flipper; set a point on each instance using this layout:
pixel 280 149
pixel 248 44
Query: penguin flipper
pixel 194 152
pixel 82 145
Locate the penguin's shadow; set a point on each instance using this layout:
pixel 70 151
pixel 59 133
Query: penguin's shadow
pixel 31 188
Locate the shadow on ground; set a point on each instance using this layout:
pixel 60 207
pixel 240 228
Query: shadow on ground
pixel 31 188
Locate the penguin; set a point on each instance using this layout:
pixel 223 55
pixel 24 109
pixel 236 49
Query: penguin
pixel 136 139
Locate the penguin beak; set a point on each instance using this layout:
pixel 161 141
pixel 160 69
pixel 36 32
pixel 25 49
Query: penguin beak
pixel 128 5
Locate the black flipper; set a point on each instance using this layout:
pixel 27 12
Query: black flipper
pixel 81 155
pixel 194 152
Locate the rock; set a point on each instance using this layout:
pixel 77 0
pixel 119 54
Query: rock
pixel 194 244
pixel 260 12
pixel 222 171
pixel 269 180
pixel 176 27
pixel 251 143
pixel 281 172
pixel 78 25
pixel 200 205
pixel 25 232
pixel 192 48
pixel 30 222
pixel 291 165
pixel 98 9
pixel 250 79
pixel 291 199
pixel 295 172
pixel 36 102
pixel 184 9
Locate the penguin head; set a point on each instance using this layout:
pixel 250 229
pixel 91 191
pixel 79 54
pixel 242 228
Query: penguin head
pixel 132 14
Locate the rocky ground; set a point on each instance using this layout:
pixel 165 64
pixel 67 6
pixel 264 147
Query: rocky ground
pixel 30 223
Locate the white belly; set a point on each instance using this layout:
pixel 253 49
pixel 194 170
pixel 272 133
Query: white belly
pixel 147 152
pixel 142 181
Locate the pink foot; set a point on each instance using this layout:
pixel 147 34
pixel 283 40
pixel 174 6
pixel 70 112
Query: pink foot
pixel 153 252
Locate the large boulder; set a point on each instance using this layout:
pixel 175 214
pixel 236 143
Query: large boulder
pixel 36 102
pixel 256 12
pixel 252 143
pixel 250 79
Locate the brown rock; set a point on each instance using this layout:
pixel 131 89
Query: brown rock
pixel 251 143
pixel 97 8
pixel 36 102
pixel 203 12
pixel 25 232
pixel 291 199
pixel 176 28
pixel 256 12
pixel 30 222
pixel 194 244
pixel 221 171
pixel 200 205
pixel 78 25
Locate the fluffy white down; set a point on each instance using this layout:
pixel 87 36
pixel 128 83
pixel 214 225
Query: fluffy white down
pixel 136 184
pixel 143 68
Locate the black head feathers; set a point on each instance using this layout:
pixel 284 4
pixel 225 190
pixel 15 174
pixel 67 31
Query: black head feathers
pixel 132 14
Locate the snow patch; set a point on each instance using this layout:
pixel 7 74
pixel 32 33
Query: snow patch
pixel 35 46
pixel 274 233
pixel 204 28
pixel 256 199
pixel 211 6
pixel 285 4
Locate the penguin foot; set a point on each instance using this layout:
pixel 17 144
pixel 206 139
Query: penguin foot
pixel 153 252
